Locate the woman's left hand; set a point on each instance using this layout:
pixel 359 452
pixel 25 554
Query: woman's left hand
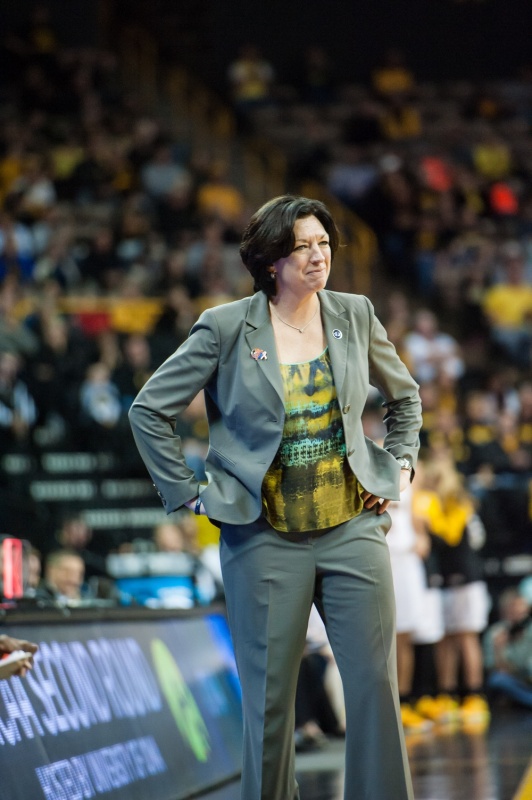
pixel 381 503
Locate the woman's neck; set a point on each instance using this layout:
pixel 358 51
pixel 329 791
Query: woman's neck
pixel 298 329
pixel 295 309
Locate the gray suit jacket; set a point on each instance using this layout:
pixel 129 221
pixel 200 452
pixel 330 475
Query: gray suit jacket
pixel 245 409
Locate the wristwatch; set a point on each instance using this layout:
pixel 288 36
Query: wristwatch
pixel 404 463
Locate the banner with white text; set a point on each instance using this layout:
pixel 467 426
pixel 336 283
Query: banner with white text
pixel 122 709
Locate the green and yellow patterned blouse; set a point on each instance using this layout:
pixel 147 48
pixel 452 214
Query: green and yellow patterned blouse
pixel 309 485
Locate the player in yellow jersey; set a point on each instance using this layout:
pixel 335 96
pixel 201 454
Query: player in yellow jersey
pixel 457 535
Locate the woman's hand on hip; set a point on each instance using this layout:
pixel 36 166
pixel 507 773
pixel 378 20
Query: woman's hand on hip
pixel 380 504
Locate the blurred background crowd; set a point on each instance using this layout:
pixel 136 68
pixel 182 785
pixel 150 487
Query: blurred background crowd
pixel 120 219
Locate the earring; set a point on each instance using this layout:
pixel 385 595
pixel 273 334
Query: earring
pixel 273 274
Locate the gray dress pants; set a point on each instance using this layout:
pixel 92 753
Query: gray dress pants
pixel 271 580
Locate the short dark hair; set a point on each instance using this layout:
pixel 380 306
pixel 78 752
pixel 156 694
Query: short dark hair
pixel 269 235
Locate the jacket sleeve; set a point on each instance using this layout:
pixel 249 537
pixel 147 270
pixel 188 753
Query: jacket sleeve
pixel 165 396
pixel 399 390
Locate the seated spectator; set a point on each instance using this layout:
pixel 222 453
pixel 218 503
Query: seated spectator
pixel 18 412
pixel 464 269
pixel 101 412
pixel 508 650
pixel 56 370
pixel 447 436
pixel 392 76
pixel 218 198
pixel 34 571
pixel 502 385
pixel 58 264
pixel 215 286
pixel 92 177
pixel 351 175
pixel 172 327
pixel 15 336
pixel 133 231
pixel 161 174
pixel 65 157
pixel 250 78
pixel 181 537
pixel 508 307
pixel 390 207
pixel 500 450
pixel 34 189
pixel 17 247
pixel 426 244
pixel 176 212
pixel 136 367
pixel 75 535
pixel 100 399
pixel 480 415
pixel 492 157
pixel 64 573
pixel 430 351
pixel 175 271
pixel 210 254
pixel 98 261
pixel 400 120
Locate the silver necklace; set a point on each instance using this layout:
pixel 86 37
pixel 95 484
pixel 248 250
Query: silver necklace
pixel 295 327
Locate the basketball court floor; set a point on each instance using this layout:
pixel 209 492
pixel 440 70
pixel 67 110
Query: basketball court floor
pixel 446 764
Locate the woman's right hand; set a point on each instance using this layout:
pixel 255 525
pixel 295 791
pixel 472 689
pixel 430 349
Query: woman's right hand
pixel 192 505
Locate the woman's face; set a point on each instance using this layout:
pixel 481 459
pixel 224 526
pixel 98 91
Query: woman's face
pixel 307 268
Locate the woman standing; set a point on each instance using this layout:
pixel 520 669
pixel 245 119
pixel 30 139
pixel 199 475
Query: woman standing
pixel 299 492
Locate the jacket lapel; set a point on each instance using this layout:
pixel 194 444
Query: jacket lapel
pixel 260 335
pixel 337 334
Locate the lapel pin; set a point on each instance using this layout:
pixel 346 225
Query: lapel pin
pixel 337 334
pixel 258 354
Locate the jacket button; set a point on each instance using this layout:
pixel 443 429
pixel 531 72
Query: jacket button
pixel 346 408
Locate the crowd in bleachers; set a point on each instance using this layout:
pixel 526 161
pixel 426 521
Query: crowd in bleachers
pixel 442 174
pixel 115 232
